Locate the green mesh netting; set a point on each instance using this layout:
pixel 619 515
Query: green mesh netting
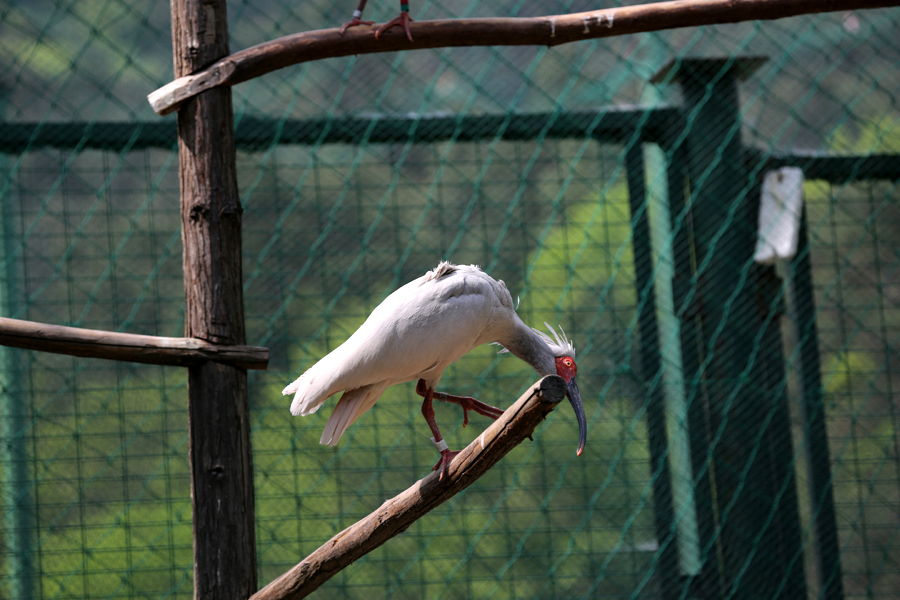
pixel 704 473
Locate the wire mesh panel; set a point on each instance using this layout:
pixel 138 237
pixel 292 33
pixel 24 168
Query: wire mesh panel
pixel 345 200
pixel 853 237
pixel 107 494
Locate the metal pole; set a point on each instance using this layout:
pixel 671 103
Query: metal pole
pixel 16 485
pixel 672 365
pixel 821 490
pixel 666 532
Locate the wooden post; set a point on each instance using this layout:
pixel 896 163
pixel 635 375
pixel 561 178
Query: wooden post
pixel 221 467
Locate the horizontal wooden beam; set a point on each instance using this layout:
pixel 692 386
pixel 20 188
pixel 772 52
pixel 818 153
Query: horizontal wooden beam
pixel 541 31
pixel 397 514
pixel 91 343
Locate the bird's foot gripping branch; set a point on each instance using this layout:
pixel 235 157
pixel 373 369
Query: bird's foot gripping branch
pixel 397 514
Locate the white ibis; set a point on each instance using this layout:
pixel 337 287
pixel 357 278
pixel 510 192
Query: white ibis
pixel 402 20
pixel 414 335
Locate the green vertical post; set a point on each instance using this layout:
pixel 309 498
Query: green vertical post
pixel 669 332
pixel 703 582
pixel 734 367
pixel 16 484
pixel 821 489
pixel 666 530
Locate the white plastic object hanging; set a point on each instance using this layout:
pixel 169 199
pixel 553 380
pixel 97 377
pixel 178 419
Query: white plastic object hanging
pixel 780 209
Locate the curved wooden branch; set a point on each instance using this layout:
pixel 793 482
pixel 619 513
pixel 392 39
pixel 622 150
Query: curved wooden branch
pixel 91 343
pixel 398 513
pixel 542 31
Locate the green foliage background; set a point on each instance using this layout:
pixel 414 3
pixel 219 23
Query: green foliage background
pixel 330 230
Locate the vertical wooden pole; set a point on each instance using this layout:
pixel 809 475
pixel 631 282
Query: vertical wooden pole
pixel 221 467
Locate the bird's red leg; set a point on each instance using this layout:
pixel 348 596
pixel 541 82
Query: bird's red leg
pixel 466 402
pixel 428 412
pixel 403 19
pixel 357 15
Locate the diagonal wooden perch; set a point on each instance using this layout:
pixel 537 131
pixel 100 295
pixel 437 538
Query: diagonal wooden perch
pixel 542 31
pixel 91 343
pixel 398 513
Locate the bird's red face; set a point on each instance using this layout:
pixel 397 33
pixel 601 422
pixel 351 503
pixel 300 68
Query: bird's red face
pixel 565 368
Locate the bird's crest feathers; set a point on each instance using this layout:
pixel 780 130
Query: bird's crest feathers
pixel 443 268
pixel 559 344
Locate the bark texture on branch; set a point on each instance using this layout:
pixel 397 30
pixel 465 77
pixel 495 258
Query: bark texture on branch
pixel 542 31
pixel 397 514
pixel 110 345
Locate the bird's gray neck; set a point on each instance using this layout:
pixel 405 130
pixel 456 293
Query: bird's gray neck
pixel 527 345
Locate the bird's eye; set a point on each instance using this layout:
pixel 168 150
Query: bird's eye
pixel 568 363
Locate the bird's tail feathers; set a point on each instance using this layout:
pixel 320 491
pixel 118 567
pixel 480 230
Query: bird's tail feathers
pixel 292 387
pixel 349 408
pixel 308 397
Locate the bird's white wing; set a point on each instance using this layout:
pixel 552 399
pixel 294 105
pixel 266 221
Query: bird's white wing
pixel 415 333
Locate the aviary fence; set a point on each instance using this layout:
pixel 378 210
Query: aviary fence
pixel 742 428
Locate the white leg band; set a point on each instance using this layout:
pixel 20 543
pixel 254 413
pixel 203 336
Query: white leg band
pixel 357 14
pixel 441 445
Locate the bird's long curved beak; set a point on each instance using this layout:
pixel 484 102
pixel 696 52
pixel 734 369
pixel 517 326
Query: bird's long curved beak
pixel 575 398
